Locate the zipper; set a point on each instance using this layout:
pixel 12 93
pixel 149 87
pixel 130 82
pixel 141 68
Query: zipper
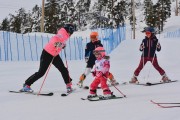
pixel 149 42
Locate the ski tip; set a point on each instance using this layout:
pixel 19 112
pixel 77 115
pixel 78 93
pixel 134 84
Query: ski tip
pixel 148 84
pixel 86 87
pixel 63 95
pixel 83 98
pixel 51 93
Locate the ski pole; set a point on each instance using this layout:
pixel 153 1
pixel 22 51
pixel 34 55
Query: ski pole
pixel 118 90
pixel 152 62
pixel 48 70
pixel 66 63
pixel 143 60
pixel 45 76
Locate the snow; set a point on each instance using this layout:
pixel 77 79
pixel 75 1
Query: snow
pixel 11 6
pixel 124 60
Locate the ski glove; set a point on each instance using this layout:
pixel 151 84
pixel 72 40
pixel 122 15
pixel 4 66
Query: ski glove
pixel 93 73
pixel 64 46
pixel 158 46
pixel 86 59
pixel 141 47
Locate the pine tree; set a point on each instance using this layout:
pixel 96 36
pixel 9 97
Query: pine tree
pixel 163 7
pixel 52 19
pixel 18 22
pixel 36 16
pixel 120 13
pixel 67 12
pixel 27 23
pixel 15 23
pixel 82 8
pixel 98 17
pixel 149 13
pixel 5 25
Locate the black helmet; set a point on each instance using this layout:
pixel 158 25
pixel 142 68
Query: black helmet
pixel 69 28
pixel 150 29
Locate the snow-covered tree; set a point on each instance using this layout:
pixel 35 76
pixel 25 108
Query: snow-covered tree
pixel 82 10
pixel 163 11
pixel 52 19
pixel 36 16
pixel 5 25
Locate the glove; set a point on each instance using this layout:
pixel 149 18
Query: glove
pixel 86 59
pixel 64 46
pixel 158 46
pixel 142 47
pixel 93 73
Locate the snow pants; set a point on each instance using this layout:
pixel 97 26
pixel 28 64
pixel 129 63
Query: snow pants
pixel 45 61
pixel 103 82
pixel 154 62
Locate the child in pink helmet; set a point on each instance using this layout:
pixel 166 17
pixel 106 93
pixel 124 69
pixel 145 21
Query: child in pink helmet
pixel 50 54
pixel 100 72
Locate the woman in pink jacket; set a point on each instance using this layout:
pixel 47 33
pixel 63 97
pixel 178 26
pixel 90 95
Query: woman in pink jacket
pixel 50 54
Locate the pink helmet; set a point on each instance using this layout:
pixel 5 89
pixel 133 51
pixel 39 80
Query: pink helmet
pixel 100 50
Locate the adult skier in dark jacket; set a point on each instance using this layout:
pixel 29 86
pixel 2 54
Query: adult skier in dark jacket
pixel 90 58
pixel 149 46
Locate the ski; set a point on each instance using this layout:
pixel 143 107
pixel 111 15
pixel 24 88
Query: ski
pixel 100 98
pixel 166 105
pixel 33 93
pixel 170 106
pixel 164 102
pixel 85 87
pixel 157 83
pixel 67 93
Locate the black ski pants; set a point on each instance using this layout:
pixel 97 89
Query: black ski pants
pixel 45 61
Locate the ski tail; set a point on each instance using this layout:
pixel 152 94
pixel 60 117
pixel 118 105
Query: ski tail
pixel 100 98
pixel 67 93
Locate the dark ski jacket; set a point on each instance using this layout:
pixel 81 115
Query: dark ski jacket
pixel 150 45
pixel 90 47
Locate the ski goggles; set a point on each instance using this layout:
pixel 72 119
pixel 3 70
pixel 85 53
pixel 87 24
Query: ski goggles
pixel 98 52
pixel 148 33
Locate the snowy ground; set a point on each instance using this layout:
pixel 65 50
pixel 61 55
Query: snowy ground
pixel 124 60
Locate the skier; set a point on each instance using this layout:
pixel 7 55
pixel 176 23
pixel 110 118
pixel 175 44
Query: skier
pixel 148 47
pixel 100 73
pixel 90 59
pixel 50 54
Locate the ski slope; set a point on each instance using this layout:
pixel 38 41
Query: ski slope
pixel 124 60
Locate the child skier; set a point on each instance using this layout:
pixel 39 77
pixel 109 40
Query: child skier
pixel 148 47
pixel 100 73
pixel 90 59
pixel 50 54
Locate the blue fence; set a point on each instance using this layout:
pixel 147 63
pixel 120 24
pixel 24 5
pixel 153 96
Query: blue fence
pixel 172 34
pixel 26 47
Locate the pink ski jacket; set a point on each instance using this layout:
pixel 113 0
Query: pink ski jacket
pixel 57 42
